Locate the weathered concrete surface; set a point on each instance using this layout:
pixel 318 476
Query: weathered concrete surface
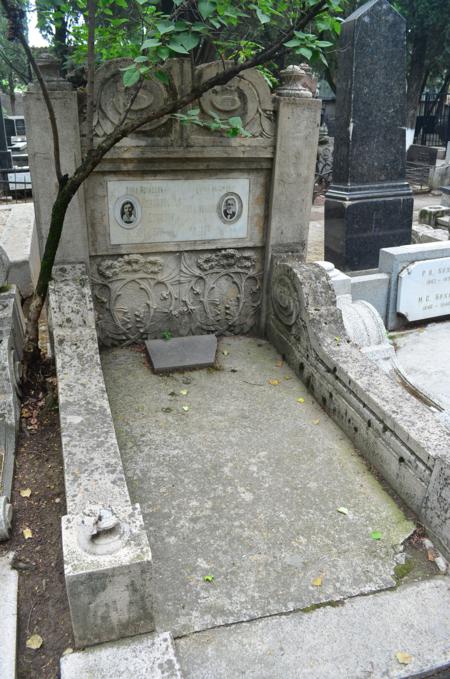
pixel 8 619
pixel 355 641
pixel 107 562
pixel 424 354
pixel 244 485
pixel 149 656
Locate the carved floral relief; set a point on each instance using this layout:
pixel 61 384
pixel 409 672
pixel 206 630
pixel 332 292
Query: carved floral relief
pixel 139 296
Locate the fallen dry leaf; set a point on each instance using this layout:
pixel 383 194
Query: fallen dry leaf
pixel 274 382
pixel 68 651
pixel 185 408
pixel 26 492
pixel 316 421
pixel 184 392
pixel 317 582
pixel 35 641
pixel 342 510
pixel 27 533
pixel 403 658
pixel 432 554
pixel 300 400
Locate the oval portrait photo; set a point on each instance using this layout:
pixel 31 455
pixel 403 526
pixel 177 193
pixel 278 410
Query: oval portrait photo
pixel 230 208
pixel 127 212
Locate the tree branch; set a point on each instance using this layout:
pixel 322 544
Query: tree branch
pixel 10 13
pixel 21 75
pixel 91 6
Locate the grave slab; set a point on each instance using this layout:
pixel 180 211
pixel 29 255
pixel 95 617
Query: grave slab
pixel 182 353
pixel 239 473
pixel 149 656
pixel 358 640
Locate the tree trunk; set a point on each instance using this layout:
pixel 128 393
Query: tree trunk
pixel 66 191
pixel 416 76
pixel 12 95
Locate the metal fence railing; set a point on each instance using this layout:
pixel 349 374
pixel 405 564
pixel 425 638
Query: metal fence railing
pixel 433 121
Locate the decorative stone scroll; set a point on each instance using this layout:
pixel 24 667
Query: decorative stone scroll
pixel 111 99
pixel 139 296
pixel 246 96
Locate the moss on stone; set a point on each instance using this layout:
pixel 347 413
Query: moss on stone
pixel 401 570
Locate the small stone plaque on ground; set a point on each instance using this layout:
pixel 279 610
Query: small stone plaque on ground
pixel 182 353
pixel 424 289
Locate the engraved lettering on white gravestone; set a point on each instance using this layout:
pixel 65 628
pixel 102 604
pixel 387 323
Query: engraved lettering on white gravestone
pixel 230 208
pixel 177 210
pixel 424 289
pixel 127 212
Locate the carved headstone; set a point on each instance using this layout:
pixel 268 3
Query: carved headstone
pixel 369 204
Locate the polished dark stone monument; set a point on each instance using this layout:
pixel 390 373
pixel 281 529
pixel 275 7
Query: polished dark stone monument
pixel 369 204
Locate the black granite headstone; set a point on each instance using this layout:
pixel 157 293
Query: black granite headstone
pixel 369 204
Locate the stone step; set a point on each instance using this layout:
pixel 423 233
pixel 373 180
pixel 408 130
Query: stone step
pixel 357 640
pixel 8 619
pixel 148 656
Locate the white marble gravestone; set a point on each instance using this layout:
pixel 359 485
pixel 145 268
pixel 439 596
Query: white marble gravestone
pixel 424 289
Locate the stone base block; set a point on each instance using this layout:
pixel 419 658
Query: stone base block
pixel 149 655
pixel 356 230
pixel 182 353
pixel 435 512
pixel 108 578
pixel 430 215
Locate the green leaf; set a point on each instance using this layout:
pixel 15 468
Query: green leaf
pixel 176 47
pixel 131 77
pixel 263 18
pixel 305 51
pixel 188 40
pixel 149 43
pixel 294 42
pixel 206 8
pixel 140 60
pixel 208 578
pixel 162 76
pixel 164 26
pixel 376 535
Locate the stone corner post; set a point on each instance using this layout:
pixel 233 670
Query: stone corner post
pixel 74 241
pixel 297 137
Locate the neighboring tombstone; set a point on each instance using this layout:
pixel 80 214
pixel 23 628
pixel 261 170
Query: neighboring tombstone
pixel 369 205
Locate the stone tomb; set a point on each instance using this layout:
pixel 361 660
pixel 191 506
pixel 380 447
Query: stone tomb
pixel 177 223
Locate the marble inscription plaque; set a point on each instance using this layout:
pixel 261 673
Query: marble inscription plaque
pixel 174 210
pixel 424 289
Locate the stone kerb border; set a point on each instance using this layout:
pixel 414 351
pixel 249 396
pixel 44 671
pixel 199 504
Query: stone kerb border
pixel 11 346
pixel 394 431
pixel 107 558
